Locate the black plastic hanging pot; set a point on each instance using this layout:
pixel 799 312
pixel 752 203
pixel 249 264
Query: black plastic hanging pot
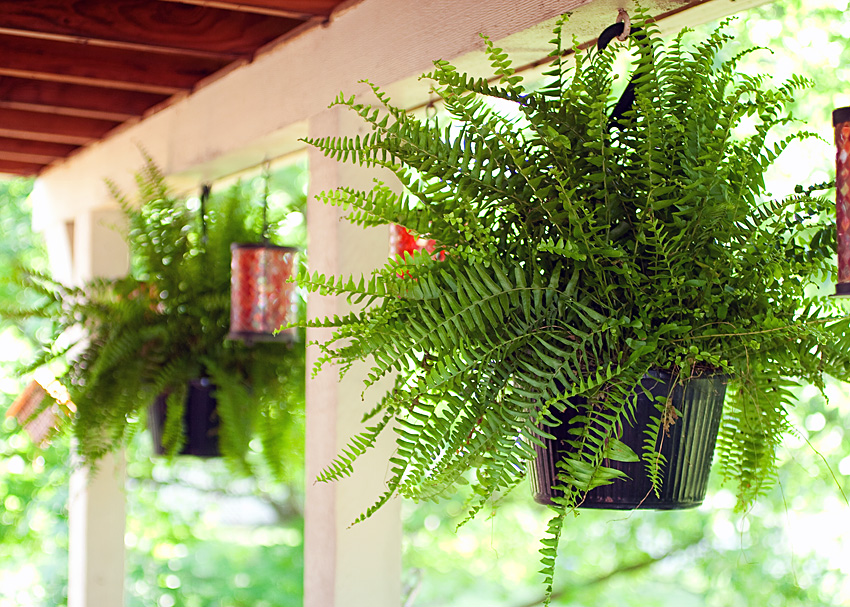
pixel 688 449
pixel 200 420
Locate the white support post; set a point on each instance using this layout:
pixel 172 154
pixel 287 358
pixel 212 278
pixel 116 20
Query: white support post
pixel 96 513
pixel 360 565
pixel 96 506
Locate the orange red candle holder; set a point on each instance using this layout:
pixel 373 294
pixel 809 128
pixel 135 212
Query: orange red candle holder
pixel 261 298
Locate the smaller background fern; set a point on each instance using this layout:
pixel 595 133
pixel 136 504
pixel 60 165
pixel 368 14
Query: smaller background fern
pixel 166 324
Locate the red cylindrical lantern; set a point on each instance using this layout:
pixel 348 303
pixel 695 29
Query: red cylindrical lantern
pixel 38 425
pixel 404 241
pixel 261 299
pixel 841 123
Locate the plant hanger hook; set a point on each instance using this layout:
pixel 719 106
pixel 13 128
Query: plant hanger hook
pixel 266 179
pixel 623 17
pixel 621 30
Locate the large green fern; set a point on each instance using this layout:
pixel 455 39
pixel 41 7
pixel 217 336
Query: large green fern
pixel 578 252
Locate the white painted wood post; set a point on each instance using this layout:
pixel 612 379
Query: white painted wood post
pixel 96 514
pixel 96 504
pixel 357 566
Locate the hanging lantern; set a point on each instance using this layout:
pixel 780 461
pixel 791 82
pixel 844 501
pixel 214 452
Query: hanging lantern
pixel 39 409
pixel 261 298
pixel 404 241
pixel 841 123
pixel 25 408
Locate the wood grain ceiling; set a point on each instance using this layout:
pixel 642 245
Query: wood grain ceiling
pixel 71 71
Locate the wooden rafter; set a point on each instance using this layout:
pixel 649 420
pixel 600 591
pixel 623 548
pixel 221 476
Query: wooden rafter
pixel 143 25
pixel 14 167
pixel 295 9
pixel 75 99
pixel 43 152
pixel 73 70
pixel 116 68
pixel 41 126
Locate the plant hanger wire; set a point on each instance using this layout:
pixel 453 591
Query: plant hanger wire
pixel 266 179
pixel 621 30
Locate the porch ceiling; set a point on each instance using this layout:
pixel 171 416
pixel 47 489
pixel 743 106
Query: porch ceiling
pixel 72 71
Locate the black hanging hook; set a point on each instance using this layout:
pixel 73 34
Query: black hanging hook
pixel 620 30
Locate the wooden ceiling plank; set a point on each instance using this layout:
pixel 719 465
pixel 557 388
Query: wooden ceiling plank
pixel 23 169
pixel 39 123
pixel 46 137
pixel 294 9
pixel 65 111
pixel 36 148
pixel 31 158
pixel 145 25
pixel 71 71
pixel 118 68
pixel 75 100
pixel 144 48
pixel 293 33
pixel 152 89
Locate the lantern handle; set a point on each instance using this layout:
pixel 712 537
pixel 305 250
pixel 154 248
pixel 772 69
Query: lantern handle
pixel 266 179
pixel 205 196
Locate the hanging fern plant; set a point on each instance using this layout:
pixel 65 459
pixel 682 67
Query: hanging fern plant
pixel 581 243
pixel 165 325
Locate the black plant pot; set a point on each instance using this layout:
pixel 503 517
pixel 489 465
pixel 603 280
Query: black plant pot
pixel 200 420
pixel 688 449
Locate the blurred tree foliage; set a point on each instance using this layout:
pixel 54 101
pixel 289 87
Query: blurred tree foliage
pixel 197 537
pixel 33 483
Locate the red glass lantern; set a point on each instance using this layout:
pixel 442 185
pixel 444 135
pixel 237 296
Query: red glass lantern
pixel 39 408
pixel 404 241
pixel 261 298
pixel 841 123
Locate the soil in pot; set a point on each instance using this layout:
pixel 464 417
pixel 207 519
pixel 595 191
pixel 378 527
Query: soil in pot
pixel 688 448
pixel 200 420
